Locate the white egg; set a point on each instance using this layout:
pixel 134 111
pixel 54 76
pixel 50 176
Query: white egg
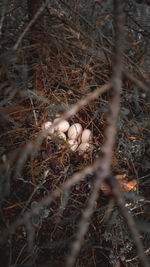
pixel 84 147
pixel 75 131
pixel 46 126
pixel 86 136
pixel 63 126
pixel 73 144
pixel 61 135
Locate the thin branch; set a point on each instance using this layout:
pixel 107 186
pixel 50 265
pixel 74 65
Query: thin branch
pixel 76 177
pixel 129 219
pixel 83 226
pixel 47 200
pixel 104 165
pixel 39 11
pixel 139 83
pixel 110 131
pixel 3 15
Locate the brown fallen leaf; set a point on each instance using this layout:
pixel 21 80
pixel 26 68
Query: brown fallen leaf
pixel 123 183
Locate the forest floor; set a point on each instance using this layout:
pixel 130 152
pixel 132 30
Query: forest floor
pixel 53 69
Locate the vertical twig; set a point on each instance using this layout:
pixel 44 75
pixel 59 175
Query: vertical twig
pixel 83 226
pixel 116 89
pixel 129 219
pixel 103 168
pixel 114 107
pixel 34 113
pixel 3 15
pixel 39 11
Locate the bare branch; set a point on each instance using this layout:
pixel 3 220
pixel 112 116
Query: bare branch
pixel 139 83
pixel 47 200
pixel 129 219
pixel 83 226
pixel 39 11
pixel 3 16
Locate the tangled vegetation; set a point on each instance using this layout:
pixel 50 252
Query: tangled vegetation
pixel 86 62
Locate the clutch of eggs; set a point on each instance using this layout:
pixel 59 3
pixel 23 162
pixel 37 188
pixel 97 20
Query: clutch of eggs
pixel 78 139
